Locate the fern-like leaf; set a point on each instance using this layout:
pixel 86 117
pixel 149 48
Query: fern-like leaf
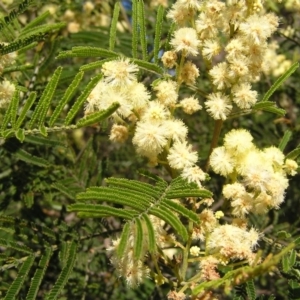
pixel 250 288
pixel 285 139
pixel 138 239
pixel 82 51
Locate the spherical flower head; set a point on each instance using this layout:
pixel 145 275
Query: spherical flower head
pixel 176 130
pixel 208 266
pixel 208 220
pixel 290 167
pixel 238 141
pixel 234 190
pixel 243 96
pixel 189 73
pixel 118 133
pixel 166 92
pixel 195 251
pixel 119 72
pixel 274 156
pixel 181 156
pixel 155 113
pixel 138 96
pixel 211 48
pixel 190 105
pixel 149 139
pixel 221 161
pixel 193 174
pixel 219 74
pixel 185 39
pixel 258 28
pixel 232 242
pixel 169 59
pixel 218 106
pixel 7 90
pixel 219 214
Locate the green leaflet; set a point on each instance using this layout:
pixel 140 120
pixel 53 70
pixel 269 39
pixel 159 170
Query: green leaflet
pixel 82 51
pixel 142 28
pixel 79 102
pixel 133 185
pixel 64 190
pixel 137 202
pixel 14 108
pixel 40 30
pixel 31 159
pixel 150 233
pixel 13 245
pixel 25 109
pixel 66 97
pixel 19 281
pixel 40 111
pixel 285 139
pixel 138 239
pixel 178 208
pixel 100 211
pixel 123 240
pixel 158 30
pixel 98 116
pixel 65 273
pixel 134 29
pixel 169 217
pixel 293 154
pixel 113 26
pixel 150 67
pixel 280 81
pixel 250 288
pixel 39 274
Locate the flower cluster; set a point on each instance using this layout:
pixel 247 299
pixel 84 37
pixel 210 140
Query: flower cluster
pixel 232 37
pixel 7 88
pixel 259 176
pixel 157 133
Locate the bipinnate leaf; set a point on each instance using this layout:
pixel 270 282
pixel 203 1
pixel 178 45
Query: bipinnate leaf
pixel 141 199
